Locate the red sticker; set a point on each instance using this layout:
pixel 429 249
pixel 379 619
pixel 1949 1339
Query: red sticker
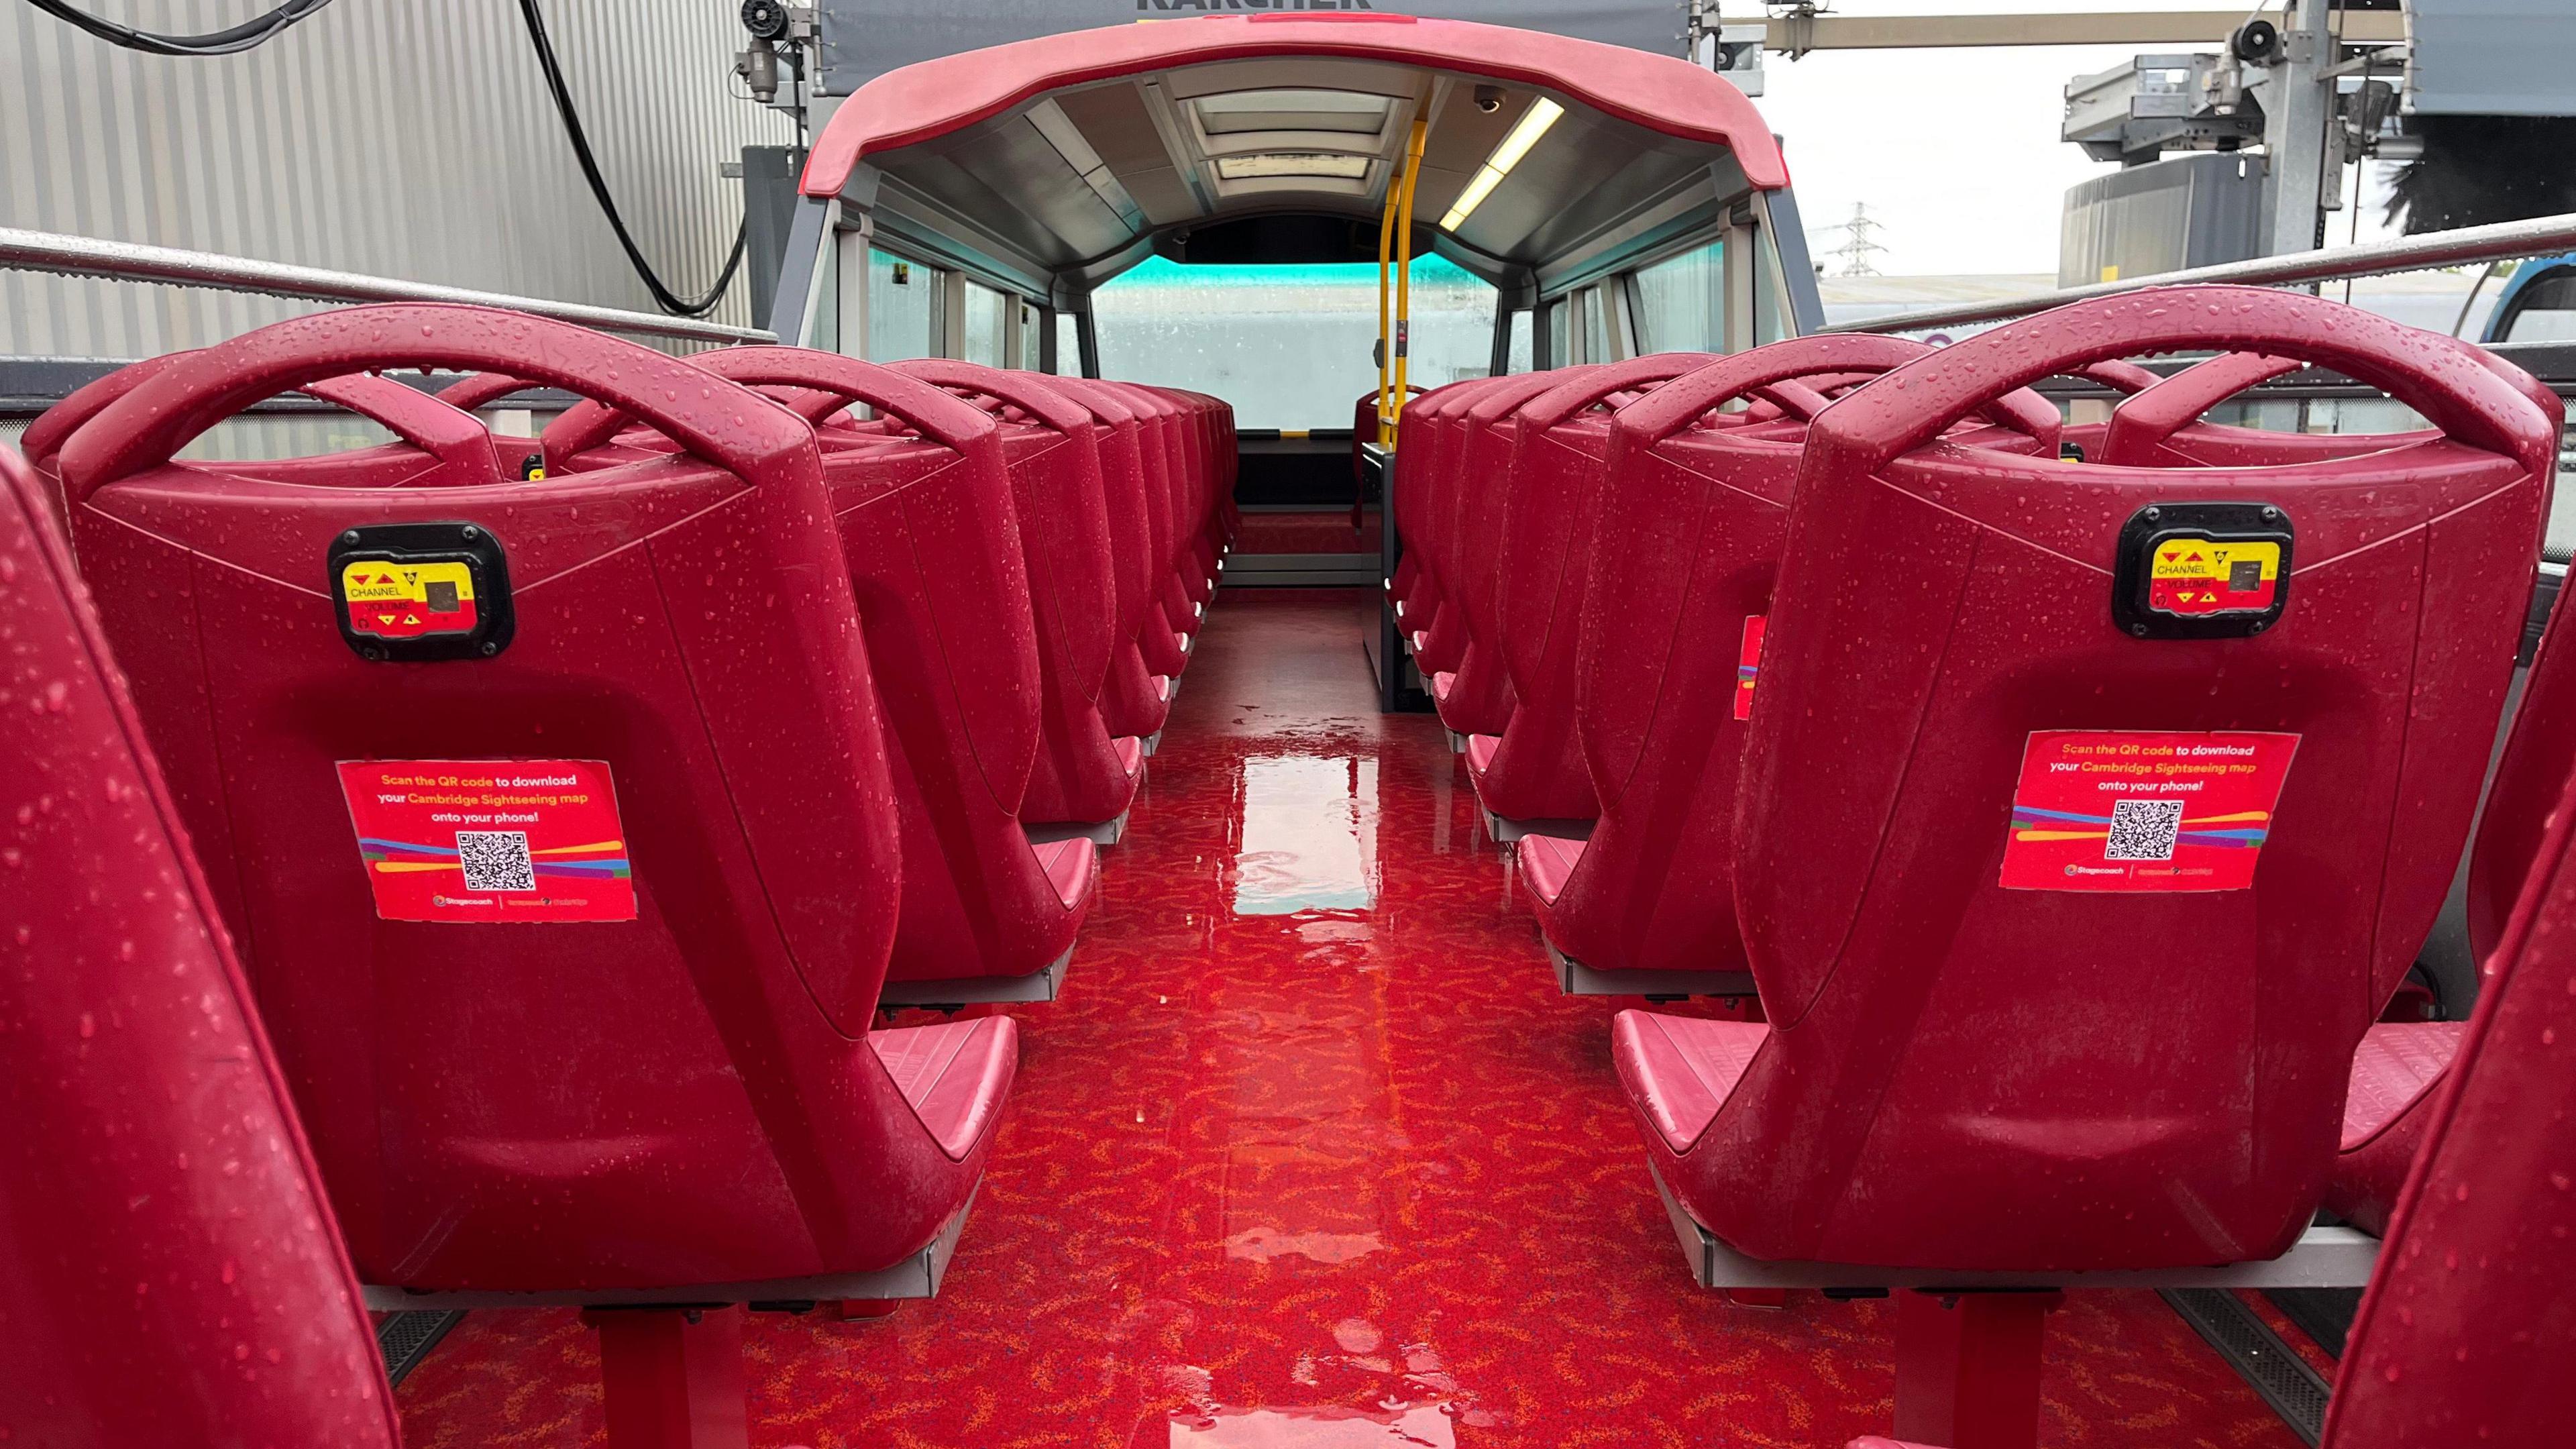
pixel 490 840
pixel 2139 811
pixel 1748 663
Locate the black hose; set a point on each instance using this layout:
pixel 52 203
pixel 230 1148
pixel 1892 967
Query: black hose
pixel 670 301
pixel 249 35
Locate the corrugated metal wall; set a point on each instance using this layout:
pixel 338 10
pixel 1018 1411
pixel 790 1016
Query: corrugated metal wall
pixel 403 138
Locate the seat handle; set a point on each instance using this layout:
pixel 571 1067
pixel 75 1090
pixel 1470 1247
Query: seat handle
pixel 710 418
pixel 2143 420
pixel 1668 410
pixel 1033 393
pixel 2448 381
pixel 1568 398
pixel 836 379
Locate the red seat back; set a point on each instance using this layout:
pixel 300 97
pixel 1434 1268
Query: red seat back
pixel 1541 451
pixel 2465 1334
pixel 1959 1074
pixel 672 1086
pixel 1690 523
pixel 168 1267
pixel 932 541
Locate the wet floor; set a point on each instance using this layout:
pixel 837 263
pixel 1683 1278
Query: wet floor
pixel 1312 1154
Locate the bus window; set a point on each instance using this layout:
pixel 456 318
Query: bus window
pixel 1288 345
pixel 1560 334
pixel 1516 357
pixel 1596 326
pixel 903 309
pixel 2545 311
pixel 983 341
pixel 1068 345
pixel 1681 302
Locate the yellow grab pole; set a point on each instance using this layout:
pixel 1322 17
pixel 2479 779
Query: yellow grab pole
pixel 1389 431
pixel 1385 248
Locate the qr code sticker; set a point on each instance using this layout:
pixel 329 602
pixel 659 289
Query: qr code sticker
pixel 2143 829
pixel 497 860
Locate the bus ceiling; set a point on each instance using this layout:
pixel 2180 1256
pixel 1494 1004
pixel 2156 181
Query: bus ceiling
pixel 1049 165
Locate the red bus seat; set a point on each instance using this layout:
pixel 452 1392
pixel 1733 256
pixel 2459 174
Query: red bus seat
pixel 1901 691
pixel 1084 776
pixel 152 1147
pixel 1180 422
pixel 1428 442
pixel 1473 693
pixel 1544 461
pixel 1134 699
pixel 1453 486
pixel 1169 470
pixel 1649 670
pixel 2464 1334
pixel 675 1085
pixel 930 536
pixel 2399 1064
pixel 1363 433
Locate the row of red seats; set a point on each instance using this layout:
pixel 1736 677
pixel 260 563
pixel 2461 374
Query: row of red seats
pixel 575 803
pixel 2067 881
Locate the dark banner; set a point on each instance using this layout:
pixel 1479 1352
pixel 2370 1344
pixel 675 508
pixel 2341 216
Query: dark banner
pixel 865 38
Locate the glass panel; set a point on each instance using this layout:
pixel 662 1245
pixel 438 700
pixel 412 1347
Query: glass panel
pixel 1560 340
pixel 983 340
pixel 1596 326
pixel 1068 344
pixel 1516 358
pixel 1289 346
pixel 903 309
pixel 1768 325
pixel 1681 302
pixel 825 334
pixel 2545 311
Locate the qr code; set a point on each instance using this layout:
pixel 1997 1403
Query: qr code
pixel 2143 829
pixel 496 860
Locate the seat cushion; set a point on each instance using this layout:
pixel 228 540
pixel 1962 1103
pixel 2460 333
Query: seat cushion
pixel 1546 860
pixel 1480 752
pixel 2393 1076
pixel 954 1075
pixel 1131 754
pixel 1679 1069
pixel 1069 865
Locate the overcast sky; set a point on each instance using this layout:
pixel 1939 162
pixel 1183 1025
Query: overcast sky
pixel 1955 151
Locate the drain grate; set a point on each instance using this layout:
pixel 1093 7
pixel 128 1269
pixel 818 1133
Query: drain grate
pixel 404 1339
pixel 2249 1345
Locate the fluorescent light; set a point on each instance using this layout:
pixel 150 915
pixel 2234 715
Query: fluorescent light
pixel 1533 124
pixel 1485 180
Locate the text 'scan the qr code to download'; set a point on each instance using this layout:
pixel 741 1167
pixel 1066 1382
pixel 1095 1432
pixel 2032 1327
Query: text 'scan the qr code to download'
pixel 490 840
pixel 2120 810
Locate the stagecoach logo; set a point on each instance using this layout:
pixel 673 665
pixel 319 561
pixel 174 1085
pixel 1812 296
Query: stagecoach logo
pixel 1217 5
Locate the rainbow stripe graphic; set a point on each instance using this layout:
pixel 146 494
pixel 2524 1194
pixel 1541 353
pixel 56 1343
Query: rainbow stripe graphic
pixel 599 860
pixel 2245 829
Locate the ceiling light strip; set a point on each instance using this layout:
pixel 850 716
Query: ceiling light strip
pixel 1533 124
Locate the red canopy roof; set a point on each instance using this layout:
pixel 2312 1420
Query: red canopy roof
pixel 937 97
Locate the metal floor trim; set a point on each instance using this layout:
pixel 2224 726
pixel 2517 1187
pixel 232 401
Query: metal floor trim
pixel 407 1336
pixel 2270 1367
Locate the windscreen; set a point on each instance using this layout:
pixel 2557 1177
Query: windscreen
pixel 1288 345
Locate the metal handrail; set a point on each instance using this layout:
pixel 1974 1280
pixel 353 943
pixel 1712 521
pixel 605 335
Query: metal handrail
pixel 2541 236
pixel 79 256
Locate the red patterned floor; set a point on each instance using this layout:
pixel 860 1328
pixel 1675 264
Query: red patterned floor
pixel 1311 1154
